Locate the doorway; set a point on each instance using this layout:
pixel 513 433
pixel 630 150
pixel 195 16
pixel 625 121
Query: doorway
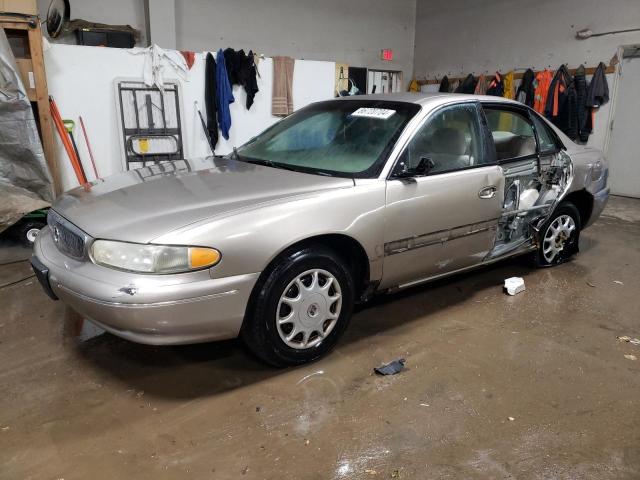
pixel 623 153
pixel 384 81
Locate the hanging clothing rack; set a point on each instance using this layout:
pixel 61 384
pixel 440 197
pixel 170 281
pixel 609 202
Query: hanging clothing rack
pixel 516 75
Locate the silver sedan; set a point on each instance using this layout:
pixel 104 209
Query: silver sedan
pixel 338 202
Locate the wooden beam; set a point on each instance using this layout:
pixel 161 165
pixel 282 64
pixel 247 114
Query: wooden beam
pixel 42 99
pixel 516 75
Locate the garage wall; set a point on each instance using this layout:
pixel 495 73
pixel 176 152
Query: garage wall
pixel 115 12
pixel 352 31
pixel 81 80
pixel 507 34
pixel 512 34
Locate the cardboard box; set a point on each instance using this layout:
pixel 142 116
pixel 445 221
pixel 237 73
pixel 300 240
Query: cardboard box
pixel 28 7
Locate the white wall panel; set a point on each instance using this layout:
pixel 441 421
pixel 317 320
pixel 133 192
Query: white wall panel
pixel 81 79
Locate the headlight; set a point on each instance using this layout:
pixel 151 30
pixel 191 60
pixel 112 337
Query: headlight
pixel 136 257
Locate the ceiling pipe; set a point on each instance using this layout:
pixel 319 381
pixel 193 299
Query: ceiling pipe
pixel 586 33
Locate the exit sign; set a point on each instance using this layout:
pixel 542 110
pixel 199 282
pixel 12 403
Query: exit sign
pixel 387 54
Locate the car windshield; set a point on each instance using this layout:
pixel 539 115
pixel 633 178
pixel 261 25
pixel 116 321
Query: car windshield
pixel 349 138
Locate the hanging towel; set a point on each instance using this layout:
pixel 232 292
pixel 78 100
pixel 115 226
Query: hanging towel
pixel 541 90
pixel 154 63
pixel 282 100
pixel 481 86
pixel 211 98
pixel 444 84
pixel 224 95
pixel 189 57
pixel 509 90
pixel 525 93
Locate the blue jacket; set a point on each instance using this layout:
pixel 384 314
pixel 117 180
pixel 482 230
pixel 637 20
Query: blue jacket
pixel 225 95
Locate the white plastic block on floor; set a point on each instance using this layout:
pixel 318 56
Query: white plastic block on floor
pixel 514 285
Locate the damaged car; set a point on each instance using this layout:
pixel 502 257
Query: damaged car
pixel 340 201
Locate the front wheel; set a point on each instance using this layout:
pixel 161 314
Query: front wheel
pixel 301 308
pixel 559 236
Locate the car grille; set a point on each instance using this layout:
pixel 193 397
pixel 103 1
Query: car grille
pixel 69 239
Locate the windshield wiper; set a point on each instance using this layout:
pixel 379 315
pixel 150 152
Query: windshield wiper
pixel 269 163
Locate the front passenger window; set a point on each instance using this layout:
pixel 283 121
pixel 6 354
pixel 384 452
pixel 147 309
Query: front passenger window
pixel 450 140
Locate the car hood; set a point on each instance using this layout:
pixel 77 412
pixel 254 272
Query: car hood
pixel 140 205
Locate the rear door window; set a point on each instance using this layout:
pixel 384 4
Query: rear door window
pixel 546 139
pixel 512 133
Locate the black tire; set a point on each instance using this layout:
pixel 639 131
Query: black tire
pixel 570 245
pixel 259 331
pixel 25 229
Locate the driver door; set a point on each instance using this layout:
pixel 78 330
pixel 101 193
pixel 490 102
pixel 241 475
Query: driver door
pixel 444 198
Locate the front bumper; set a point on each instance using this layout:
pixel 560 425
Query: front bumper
pixel 152 309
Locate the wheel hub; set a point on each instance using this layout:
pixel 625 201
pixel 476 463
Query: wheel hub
pixel 556 237
pixel 308 309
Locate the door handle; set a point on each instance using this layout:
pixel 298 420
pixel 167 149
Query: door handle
pixel 487 192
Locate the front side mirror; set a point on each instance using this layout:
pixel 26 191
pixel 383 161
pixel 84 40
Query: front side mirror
pixel 425 165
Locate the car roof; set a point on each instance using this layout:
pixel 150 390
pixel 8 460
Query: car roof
pixel 430 99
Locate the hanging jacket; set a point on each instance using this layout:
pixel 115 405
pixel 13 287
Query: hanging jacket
pixel 481 85
pixel 468 85
pixel 541 90
pixel 444 84
pixel 496 86
pixel 251 80
pixel 509 90
pixel 525 93
pixel 413 86
pixel 211 99
pixel 598 92
pixel 454 86
pixel 224 95
pixel 561 103
pixel 582 111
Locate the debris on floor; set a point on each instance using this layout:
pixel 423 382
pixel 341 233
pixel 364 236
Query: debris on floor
pixel 514 285
pixel 618 282
pixel 628 339
pixel 590 284
pixel 630 357
pixel 391 368
pixel 511 419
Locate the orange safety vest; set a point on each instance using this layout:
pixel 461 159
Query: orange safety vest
pixel 542 84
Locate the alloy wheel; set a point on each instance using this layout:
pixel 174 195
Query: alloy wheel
pixel 557 236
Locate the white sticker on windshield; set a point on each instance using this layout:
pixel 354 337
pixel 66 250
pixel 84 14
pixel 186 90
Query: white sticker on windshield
pixel 380 113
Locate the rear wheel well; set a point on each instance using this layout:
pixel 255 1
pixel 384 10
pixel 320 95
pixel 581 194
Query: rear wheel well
pixel 583 201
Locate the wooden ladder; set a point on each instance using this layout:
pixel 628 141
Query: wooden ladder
pixel 24 32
